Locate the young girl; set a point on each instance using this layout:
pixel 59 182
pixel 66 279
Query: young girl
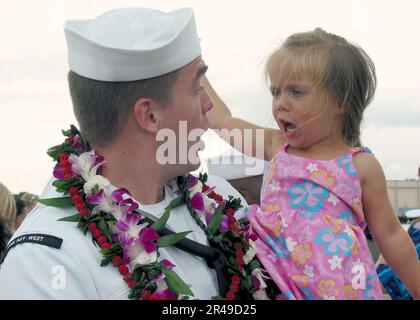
pixel 323 187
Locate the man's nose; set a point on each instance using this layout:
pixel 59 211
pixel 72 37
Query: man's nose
pixel 206 103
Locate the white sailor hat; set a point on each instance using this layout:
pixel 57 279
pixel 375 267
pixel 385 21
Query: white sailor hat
pixel 236 166
pixel 132 44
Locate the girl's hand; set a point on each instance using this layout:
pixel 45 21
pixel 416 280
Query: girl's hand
pixel 265 141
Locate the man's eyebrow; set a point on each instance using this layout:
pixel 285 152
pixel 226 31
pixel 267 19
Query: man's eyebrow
pixel 201 72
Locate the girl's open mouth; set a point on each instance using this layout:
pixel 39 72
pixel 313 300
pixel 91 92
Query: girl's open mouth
pixel 288 127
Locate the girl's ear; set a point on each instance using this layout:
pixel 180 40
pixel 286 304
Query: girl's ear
pixel 146 115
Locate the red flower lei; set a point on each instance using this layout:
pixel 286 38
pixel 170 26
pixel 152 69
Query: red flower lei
pixel 233 242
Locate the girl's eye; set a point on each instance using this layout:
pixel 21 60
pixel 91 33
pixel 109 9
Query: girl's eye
pixel 297 92
pixel 276 93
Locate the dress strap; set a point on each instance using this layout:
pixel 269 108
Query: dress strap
pixel 357 150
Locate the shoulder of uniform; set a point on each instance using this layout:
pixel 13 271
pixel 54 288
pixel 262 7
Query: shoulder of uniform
pixel 37 238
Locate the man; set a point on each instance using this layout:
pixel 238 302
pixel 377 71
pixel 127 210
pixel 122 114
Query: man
pixel 133 72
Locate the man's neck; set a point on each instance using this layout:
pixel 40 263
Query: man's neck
pixel 136 171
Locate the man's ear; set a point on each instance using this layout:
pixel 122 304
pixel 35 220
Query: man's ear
pixel 145 114
pixel 341 109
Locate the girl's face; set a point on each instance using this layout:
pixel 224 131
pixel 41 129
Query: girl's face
pixel 305 115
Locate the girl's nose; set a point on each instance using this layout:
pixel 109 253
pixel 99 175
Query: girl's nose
pixel 281 104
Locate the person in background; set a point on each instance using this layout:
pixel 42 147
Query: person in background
pixel 25 202
pixel 30 200
pixel 391 283
pixel 7 217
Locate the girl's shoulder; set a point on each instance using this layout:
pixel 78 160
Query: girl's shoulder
pixel 366 164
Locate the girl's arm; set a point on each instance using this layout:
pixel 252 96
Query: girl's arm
pixel 393 241
pixel 238 132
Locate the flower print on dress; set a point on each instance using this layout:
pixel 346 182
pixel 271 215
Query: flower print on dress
pixel 302 253
pixel 312 167
pixel 287 217
pixel 357 207
pixel 307 194
pixel 291 244
pixel 367 293
pixel 274 186
pixel 305 234
pixel 348 267
pixel 272 223
pixel 278 245
pixel 350 293
pixel 293 169
pixel 307 214
pixel 346 162
pixel 271 207
pixel 349 231
pixel 335 263
pixel 308 271
pixel 334 243
pixel 355 247
pixel 270 173
pixel 323 178
pixel 272 256
pixel 300 280
pixel 327 290
pixel 307 294
pixel 333 199
pixel 347 216
pixel 335 224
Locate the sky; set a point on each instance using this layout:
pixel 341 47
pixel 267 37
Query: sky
pixel 236 38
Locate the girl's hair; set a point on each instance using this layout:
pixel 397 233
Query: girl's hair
pixel 343 69
pixel 7 216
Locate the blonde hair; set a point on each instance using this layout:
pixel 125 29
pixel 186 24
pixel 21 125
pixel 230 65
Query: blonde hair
pixel 7 209
pixel 342 69
pixel 30 200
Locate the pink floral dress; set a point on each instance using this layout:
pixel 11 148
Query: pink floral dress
pixel 310 229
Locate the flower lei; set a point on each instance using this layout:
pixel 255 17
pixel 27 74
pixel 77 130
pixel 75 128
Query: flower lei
pixel 132 245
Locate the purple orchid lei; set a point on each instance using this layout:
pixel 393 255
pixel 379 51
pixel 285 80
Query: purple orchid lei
pixel 132 245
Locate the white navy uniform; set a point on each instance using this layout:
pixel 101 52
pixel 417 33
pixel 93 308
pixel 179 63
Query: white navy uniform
pixel 35 271
pixel 126 44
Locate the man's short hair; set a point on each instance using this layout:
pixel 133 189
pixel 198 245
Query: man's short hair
pixel 102 108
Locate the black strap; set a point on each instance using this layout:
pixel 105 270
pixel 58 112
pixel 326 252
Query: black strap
pixel 214 257
pixel 38 238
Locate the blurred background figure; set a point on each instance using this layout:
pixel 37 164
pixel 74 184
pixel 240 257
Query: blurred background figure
pixel 391 284
pixel 25 202
pixel 7 217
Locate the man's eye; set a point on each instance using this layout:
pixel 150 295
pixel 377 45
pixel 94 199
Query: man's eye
pixel 198 91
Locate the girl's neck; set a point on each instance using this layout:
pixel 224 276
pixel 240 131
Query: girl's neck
pixel 323 150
